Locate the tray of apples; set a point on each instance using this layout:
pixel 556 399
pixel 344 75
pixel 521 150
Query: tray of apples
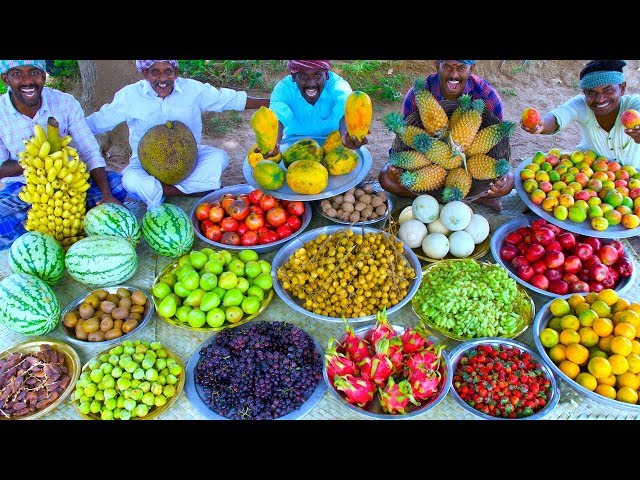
pixel 239 217
pixel 553 262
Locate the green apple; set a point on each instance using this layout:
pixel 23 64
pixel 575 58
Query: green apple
pixel 208 281
pixel 264 281
pixel 169 278
pixel 227 280
pixel 220 291
pixel 194 298
pixel 198 259
pixel 209 301
pixel 191 280
pixel 234 314
pixel 182 271
pixel 196 318
pixel 215 317
pixel 214 266
pixel 225 256
pixel 250 305
pixel 208 251
pixel 180 290
pixel 243 284
pixel 176 298
pixel 252 269
pixel 236 266
pixel 183 312
pixel 233 297
pixel 184 260
pixel 265 266
pixel 161 290
pixel 255 291
pixel 248 255
pixel 167 307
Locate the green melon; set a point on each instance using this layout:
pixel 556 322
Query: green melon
pixel 37 254
pixel 168 230
pixel 28 305
pixel 114 220
pixel 101 260
pixel 303 149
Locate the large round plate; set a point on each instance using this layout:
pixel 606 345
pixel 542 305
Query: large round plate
pixel 480 250
pixel 497 240
pixel 337 183
pixel 459 351
pixel 541 321
pixel 289 249
pixel 195 392
pixel 154 411
pixel 71 361
pixel 76 302
pixel 374 410
pixel 584 228
pixel 526 311
pixel 177 323
pixel 237 190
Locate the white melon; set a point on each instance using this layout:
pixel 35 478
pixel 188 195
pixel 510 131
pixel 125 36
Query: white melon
pixel 456 215
pixel 435 245
pixel 406 214
pixel 478 228
pixel 461 244
pixel 412 232
pixel 438 227
pixel 425 208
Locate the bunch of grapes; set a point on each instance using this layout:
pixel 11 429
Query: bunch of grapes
pixel 261 372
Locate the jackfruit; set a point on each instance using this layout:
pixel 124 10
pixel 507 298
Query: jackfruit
pixel 168 152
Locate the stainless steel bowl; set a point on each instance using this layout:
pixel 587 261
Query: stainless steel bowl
pixel 374 222
pixel 237 190
pixel 374 410
pixel 458 352
pixel 282 256
pixel 146 317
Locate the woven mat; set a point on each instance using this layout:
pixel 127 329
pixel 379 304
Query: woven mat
pixel 185 343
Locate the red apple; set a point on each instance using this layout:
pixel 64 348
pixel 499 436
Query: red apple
pixel 295 208
pixel 508 252
pixel 242 229
pixel 630 118
pixel 256 209
pixel 525 272
pixel 623 266
pixel 268 237
pixel 570 278
pixel 539 281
pixel 559 287
pixel 213 233
pixel 519 261
pixel 513 238
pixel 567 240
pixel 255 196
pixel 553 247
pixel 276 216
pixel 553 274
pixel 238 210
pixel 229 224
pixel 555 229
pixel 582 195
pixel 608 255
pixel 535 252
pixel 597 272
pixel 531 117
pixel 634 193
pixel 230 238
pixel 283 231
pixel 543 236
pixel 609 281
pixel 584 275
pixel 216 214
pixel 294 222
pixel 572 264
pixel 202 211
pixel 524 231
pixel 254 221
pixel 205 224
pixel 539 266
pixel 267 202
pixel 583 251
pixel 595 243
pixel 249 239
pixel 618 246
pixel 614 273
pixel 522 248
pixel 595 287
pixel 591 261
pixel 538 223
pixel 554 259
pixel 579 287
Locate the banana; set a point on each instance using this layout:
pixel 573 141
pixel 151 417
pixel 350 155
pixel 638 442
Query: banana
pixel 63 186
pixel 71 151
pixel 37 162
pixel 44 198
pixel 69 177
pixel 44 149
pixel 64 171
pixel 52 173
pixel 57 164
pixel 30 170
pixel 41 173
pixel 31 149
pixel 82 168
pixel 57 155
pixel 65 215
pixel 84 188
pixel 57 195
pixel 66 140
pixel 31 187
pixel 25 197
pixel 48 189
pixel 39 133
pixel 40 188
pixel 35 197
pixel 32 178
pixel 73 165
pixel 72 192
pixel 66 231
pixel 55 184
pixel 48 163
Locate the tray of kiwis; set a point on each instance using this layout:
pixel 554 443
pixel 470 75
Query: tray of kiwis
pixel 106 315
pixel 365 204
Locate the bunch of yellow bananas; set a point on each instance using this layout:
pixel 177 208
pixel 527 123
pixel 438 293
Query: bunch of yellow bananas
pixel 57 182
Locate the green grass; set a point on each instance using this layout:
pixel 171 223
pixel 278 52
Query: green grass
pixel 372 77
pixel 220 123
pixel 508 92
pixel 247 74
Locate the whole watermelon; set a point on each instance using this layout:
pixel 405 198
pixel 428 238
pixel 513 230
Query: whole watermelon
pixel 101 260
pixel 37 254
pixel 168 230
pixel 115 220
pixel 28 305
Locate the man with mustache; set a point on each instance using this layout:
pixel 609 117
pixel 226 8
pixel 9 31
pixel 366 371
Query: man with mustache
pixel 597 111
pixel 27 102
pixel 310 102
pixel 452 79
pixel 165 96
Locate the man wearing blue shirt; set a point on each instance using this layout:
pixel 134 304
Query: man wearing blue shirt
pixel 164 96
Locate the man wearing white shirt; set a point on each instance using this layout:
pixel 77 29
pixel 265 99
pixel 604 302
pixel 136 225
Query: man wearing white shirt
pixel 164 96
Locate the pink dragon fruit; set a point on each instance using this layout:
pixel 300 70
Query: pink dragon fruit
pixel 424 385
pixel 392 348
pixel 377 368
pixel 357 348
pixel 382 329
pixel 395 397
pixel 357 389
pixel 336 362
pixel 414 339
pixel 425 361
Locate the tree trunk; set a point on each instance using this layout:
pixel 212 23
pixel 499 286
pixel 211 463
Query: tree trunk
pixel 88 76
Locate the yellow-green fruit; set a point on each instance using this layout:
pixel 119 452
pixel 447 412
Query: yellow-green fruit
pixel 332 141
pixel 268 175
pixel 254 157
pixel 341 160
pixel 303 149
pixel 307 177
pixel 168 152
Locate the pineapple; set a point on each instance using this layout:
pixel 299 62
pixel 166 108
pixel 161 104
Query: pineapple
pixel 409 160
pixel 488 137
pixel 398 125
pixel 484 167
pixel 434 118
pixel 457 185
pixel 436 151
pixel 426 179
pixel 464 129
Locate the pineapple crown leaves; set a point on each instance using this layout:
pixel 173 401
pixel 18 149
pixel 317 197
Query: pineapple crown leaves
pixel 449 194
pixel 464 102
pixel 422 142
pixel 418 85
pixel 507 128
pixel 407 179
pixel 395 123
pixel 502 167
pixel 477 105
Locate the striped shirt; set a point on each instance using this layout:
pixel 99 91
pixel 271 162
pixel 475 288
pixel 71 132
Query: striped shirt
pixel 14 127
pixel 476 86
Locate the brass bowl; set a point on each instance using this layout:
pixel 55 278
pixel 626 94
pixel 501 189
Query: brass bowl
pixel 71 360
pixel 153 411
pixel 525 308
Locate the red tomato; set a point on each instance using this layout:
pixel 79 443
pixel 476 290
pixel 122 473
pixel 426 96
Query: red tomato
pixel 213 233
pixel 249 238
pixel 295 208
pixel 268 237
pixel 276 216
pixel 254 221
pixel 242 228
pixel 230 238
pixel 294 222
pixel 283 231
pixel 262 229
pixel 229 224
pixel 216 214
pixel 205 224
pixel 255 196
pixel 202 211
pixel 267 202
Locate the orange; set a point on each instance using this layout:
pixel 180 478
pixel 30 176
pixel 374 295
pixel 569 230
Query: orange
pixel 635 307
pixel 619 364
pixel 596 352
pixel 590 297
pixel 570 322
pixel 588 337
pixel 575 300
pixel 621 345
pixel 599 367
pixel 587 380
pixel 601 308
pixel 555 323
pixel 557 353
pixel 559 307
pixel 627 395
pixel 569 368
pixel 549 337
pixel 581 308
pixel 630 317
pixel 620 306
pixel 578 354
pixel 569 336
pixel 603 327
pixel 608 296
pixel 634 362
pixel 635 347
pixel 587 317
pixel 625 330
pixel 606 391
pixel 604 343
pixel 611 380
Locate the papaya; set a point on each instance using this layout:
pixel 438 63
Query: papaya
pixel 307 177
pixel 268 175
pixel 265 125
pixel 303 149
pixel 332 141
pixel 254 157
pixel 358 112
pixel 341 160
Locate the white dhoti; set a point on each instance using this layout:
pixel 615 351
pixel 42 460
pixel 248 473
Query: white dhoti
pixel 206 175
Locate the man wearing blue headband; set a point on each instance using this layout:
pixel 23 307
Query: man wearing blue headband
pixel 597 111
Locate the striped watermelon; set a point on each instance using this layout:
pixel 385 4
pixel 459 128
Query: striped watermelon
pixel 115 220
pixel 168 230
pixel 101 260
pixel 28 305
pixel 37 254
